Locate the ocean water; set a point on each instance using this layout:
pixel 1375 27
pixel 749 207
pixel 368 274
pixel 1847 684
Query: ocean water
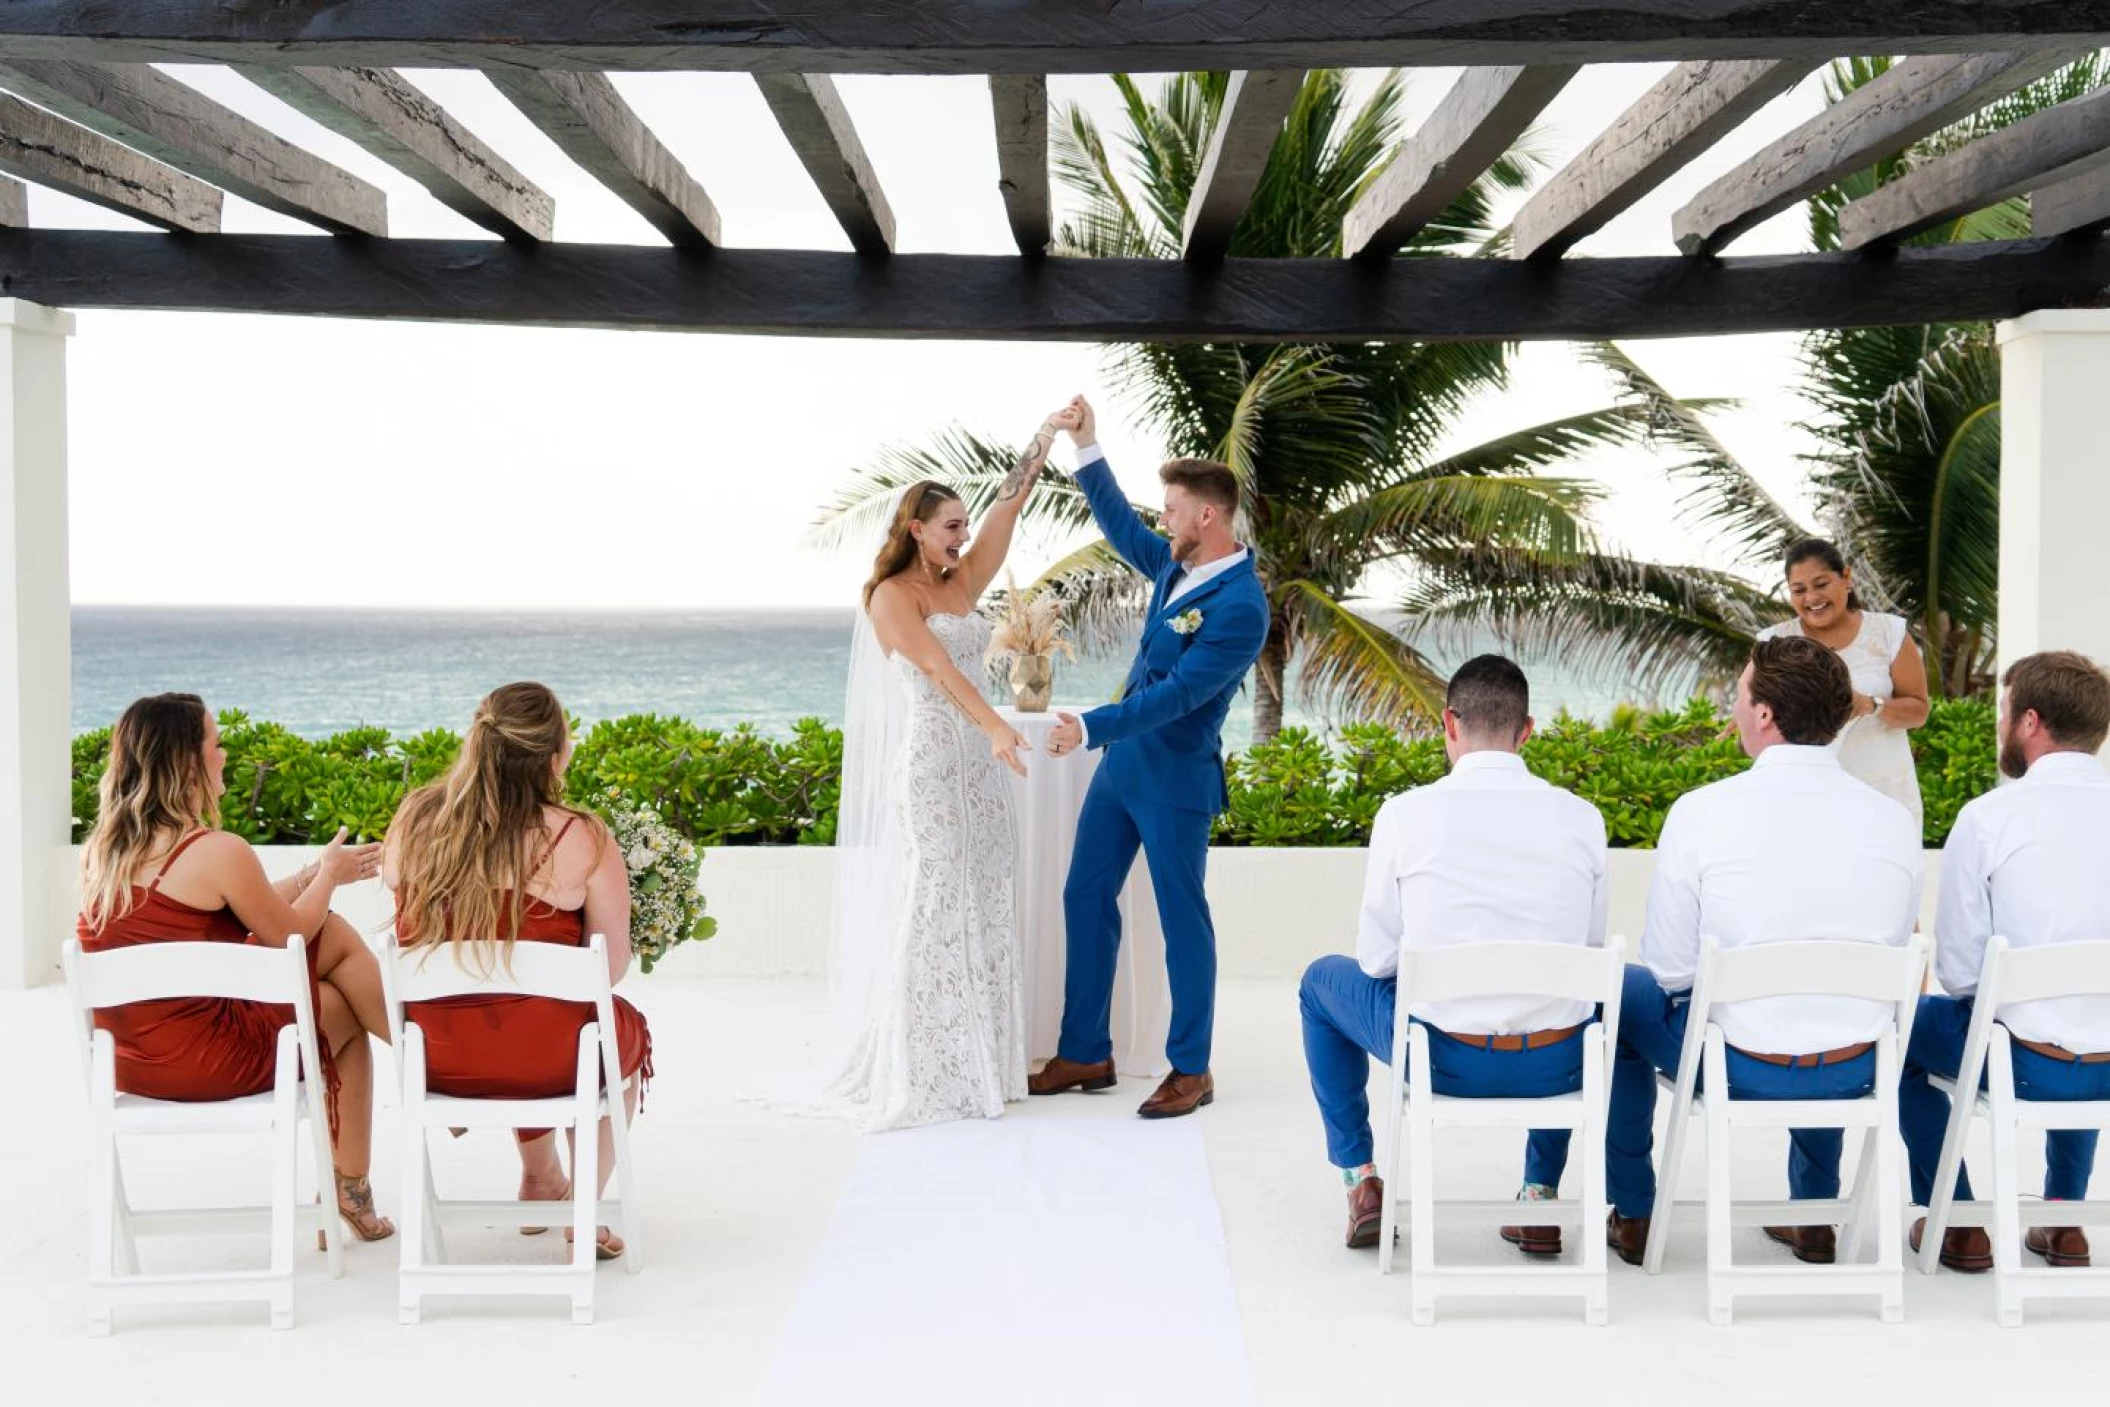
pixel 319 672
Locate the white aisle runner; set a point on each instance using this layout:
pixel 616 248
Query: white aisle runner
pixel 1033 1259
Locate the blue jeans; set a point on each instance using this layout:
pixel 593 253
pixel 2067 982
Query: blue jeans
pixel 1348 1018
pixel 1651 1037
pixel 1923 1111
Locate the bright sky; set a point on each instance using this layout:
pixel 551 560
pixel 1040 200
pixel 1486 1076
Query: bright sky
pixel 251 459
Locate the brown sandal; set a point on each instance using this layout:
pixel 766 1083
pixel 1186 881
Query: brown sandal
pixel 355 1204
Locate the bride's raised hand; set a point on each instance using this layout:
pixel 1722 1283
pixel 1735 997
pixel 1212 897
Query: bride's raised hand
pixel 1005 744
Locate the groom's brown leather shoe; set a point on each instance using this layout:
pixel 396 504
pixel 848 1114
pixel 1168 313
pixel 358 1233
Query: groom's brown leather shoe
pixel 1366 1213
pixel 1059 1075
pixel 1179 1094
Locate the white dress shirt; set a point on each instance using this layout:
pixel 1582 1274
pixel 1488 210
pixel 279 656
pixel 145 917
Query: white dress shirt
pixel 1186 581
pixel 1792 849
pixel 2026 862
pixel 1488 854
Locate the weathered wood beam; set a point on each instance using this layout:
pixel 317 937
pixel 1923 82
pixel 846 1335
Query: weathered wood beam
pixel 14 204
pixel 2042 149
pixel 387 115
pixel 1476 122
pixel 591 123
pixel 1694 106
pixel 1253 110
pixel 1914 98
pixel 39 146
pixel 821 134
pixel 2077 206
pixel 1019 103
pixel 1049 36
pixel 178 126
pixel 819 293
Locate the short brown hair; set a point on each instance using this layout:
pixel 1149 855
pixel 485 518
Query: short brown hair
pixel 1205 479
pixel 2068 692
pixel 1805 684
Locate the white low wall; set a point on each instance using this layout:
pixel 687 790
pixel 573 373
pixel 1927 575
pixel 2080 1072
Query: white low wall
pixel 1275 910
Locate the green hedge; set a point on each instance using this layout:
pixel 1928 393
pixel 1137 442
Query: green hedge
pixel 739 787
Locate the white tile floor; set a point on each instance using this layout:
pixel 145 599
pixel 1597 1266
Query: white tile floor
pixel 738 1199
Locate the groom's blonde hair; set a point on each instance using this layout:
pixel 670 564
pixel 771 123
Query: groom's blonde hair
pixel 1205 479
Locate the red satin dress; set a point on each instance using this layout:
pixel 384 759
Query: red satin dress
pixel 194 1048
pixel 506 1047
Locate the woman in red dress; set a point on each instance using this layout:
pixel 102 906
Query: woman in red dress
pixel 489 856
pixel 158 869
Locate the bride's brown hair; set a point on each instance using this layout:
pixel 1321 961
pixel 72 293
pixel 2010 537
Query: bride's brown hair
pixel 155 789
pixel 479 832
pixel 919 505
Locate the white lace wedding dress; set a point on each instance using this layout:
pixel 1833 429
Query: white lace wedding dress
pixel 944 1034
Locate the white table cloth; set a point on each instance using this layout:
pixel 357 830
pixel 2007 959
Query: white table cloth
pixel 1048 798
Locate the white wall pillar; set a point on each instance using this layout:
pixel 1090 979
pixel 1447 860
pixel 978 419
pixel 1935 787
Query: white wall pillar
pixel 2054 485
pixel 36 639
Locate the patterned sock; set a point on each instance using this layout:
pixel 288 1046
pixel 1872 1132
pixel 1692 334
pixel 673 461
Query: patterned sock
pixel 1538 1192
pixel 1351 1176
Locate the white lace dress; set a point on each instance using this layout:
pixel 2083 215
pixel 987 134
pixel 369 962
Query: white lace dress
pixel 948 1036
pixel 1869 748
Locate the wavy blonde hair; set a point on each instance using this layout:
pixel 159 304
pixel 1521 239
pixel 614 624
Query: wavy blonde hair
pixel 155 790
pixel 467 845
pixel 919 504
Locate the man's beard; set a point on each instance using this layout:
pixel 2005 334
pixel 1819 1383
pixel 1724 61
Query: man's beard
pixel 2012 763
pixel 1185 547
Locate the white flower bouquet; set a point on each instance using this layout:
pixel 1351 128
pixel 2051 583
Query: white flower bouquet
pixel 666 907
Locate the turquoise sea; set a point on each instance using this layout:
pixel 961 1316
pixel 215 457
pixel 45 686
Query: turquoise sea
pixel 319 672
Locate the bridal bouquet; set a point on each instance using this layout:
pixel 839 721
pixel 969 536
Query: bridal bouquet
pixel 666 907
pixel 1029 631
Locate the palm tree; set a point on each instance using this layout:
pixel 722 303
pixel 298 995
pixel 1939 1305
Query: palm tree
pixel 1337 449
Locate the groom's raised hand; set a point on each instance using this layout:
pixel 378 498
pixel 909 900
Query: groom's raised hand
pixel 1085 429
pixel 1067 737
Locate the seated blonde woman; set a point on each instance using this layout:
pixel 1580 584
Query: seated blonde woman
pixel 489 856
pixel 158 869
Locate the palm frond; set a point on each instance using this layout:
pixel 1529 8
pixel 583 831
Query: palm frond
pixel 1354 666
pixel 972 465
pixel 1527 513
pixel 1102 599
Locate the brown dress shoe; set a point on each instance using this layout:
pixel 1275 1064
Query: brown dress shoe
pixel 2062 1246
pixel 1534 1240
pixel 1059 1074
pixel 1627 1236
pixel 1366 1213
pixel 1814 1245
pixel 1964 1248
pixel 1179 1094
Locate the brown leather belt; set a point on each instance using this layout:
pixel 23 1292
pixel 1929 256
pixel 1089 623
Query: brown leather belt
pixel 1528 1040
pixel 2059 1052
pixel 1802 1062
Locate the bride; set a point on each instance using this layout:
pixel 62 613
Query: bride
pixel 929 1011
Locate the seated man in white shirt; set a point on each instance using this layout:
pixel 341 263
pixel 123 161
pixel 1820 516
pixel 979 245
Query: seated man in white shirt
pixel 2025 862
pixel 1488 853
pixel 1792 849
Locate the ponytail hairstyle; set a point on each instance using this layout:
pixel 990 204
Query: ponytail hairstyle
pixel 155 789
pixel 1817 549
pixel 468 844
pixel 920 504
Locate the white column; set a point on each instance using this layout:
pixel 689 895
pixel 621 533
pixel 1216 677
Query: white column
pixel 36 640
pixel 2054 485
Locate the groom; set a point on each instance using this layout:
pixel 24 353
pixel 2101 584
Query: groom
pixel 1161 782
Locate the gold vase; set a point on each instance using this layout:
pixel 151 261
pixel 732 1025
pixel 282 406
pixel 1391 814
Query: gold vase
pixel 1032 677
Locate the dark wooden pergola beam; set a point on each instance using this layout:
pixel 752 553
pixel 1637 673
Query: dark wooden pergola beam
pixel 819 293
pixel 44 148
pixel 384 113
pixel 811 113
pixel 2045 148
pixel 1911 100
pixel 1019 105
pixel 591 123
pixel 177 125
pixel 1254 107
pixel 1478 120
pixel 2079 205
pixel 1050 36
pixel 1691 108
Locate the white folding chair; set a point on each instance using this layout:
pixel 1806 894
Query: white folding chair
pixel 1870 971
pixel 154 971
pixel 535 970
pixel 2017 975
pixel 1414 1111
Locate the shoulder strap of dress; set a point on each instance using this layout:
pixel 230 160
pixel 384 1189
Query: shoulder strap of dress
pixel 558 839
pixel 181 846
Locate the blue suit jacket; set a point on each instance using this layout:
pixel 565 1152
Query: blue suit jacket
pixel 1164 739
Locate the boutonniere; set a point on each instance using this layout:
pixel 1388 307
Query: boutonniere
pixel 1187 622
